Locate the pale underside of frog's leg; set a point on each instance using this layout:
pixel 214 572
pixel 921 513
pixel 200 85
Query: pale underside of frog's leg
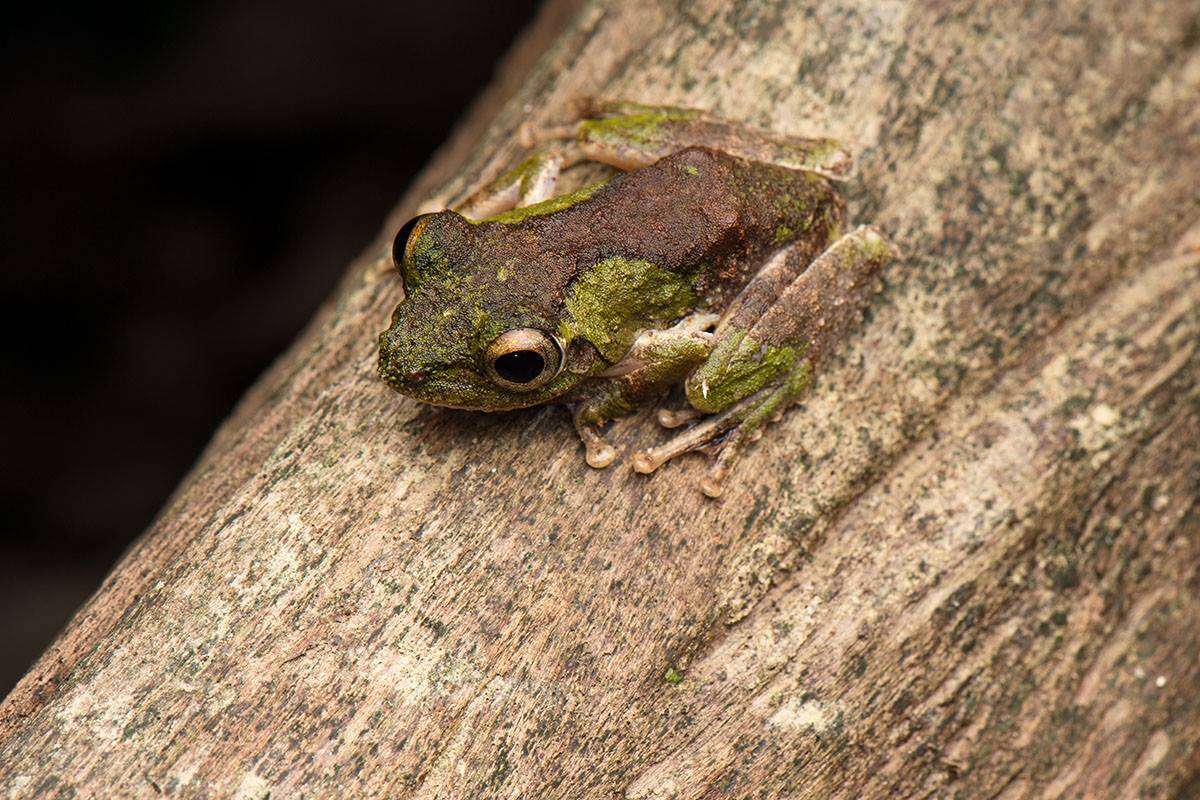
pixel 658 360
pixel 755 372
pixel 531 181
pixel 631 135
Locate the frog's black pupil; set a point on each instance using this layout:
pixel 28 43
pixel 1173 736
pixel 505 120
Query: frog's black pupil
pixel 401 241
pixel 520 366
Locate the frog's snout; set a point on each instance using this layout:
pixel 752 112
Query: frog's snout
pixel 397 370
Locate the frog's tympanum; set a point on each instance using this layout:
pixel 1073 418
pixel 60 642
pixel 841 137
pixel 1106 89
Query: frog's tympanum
pixel 715 259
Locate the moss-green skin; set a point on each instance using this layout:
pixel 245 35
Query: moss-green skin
pixel 594 269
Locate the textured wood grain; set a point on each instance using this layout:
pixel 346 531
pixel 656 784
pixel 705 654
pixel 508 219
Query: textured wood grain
pixel 967 566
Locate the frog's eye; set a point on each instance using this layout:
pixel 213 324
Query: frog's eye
pixel 400 245
pixel 440 240
pixel 523 359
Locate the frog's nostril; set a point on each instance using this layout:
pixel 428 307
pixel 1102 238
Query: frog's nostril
pixel 414 376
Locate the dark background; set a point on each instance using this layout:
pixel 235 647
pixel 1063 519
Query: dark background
pixel 182 184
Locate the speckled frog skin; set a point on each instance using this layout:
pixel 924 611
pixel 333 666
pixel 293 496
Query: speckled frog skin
pixel 715 262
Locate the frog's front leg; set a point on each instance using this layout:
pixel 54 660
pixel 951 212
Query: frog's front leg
pixel 658 360
pixel 531 181
pixel 754 373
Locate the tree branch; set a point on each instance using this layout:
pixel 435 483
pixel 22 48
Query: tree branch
pixel 966 565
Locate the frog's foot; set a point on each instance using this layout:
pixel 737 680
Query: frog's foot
pixel 726 433
pixel 630 135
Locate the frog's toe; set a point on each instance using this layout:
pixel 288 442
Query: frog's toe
pixel 696 437
pixel 674 418
pixel 597 452
pixel 713 482
pixel 725 435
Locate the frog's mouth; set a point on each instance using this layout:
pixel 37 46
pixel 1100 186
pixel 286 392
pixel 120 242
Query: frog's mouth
pixel 460 388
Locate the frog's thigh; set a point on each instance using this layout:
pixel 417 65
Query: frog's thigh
pixel 777 272
pixel 755 373
pixel 657 361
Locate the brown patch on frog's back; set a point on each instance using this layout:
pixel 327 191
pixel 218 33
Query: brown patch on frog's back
pixel 699 212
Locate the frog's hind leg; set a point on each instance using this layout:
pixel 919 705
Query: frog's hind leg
pixel 754 373
pixel 531 181
pixel 631 135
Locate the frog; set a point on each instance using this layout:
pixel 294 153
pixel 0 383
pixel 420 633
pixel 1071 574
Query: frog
pixel 710 265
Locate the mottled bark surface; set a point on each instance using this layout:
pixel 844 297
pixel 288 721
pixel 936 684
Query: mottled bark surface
pixel 967 566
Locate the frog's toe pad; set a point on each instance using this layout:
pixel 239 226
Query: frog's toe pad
pixel 713 482
pixel 646 462
pixel 600 455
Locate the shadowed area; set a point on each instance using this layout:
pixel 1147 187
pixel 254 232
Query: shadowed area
pixel 182 184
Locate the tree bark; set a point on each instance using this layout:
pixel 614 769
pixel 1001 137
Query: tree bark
pixel 968 565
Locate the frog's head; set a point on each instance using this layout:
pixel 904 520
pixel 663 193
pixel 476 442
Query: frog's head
pixel 464 337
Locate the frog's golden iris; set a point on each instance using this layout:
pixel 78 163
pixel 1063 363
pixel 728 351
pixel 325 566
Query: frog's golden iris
pixel 523 359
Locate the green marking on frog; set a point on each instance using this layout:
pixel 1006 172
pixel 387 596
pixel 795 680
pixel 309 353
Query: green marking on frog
pixel 546 206
pixel 738 367
pixel 617 297
pixel 644 127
